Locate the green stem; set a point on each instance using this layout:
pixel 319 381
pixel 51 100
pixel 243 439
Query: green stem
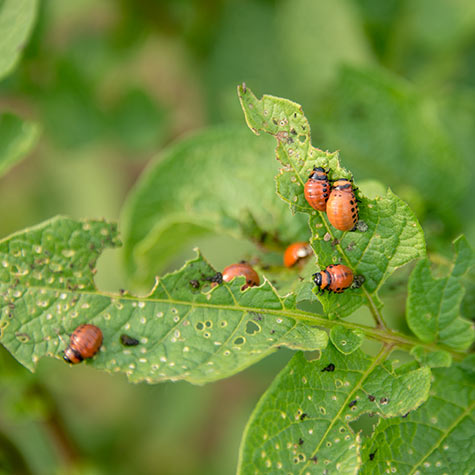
pixel 378 318
pixel 381 334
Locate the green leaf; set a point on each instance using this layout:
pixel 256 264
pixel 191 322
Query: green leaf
pixel 17 137
pixel 393 236
pixel 218 181
pixel 433 305
pixel 16 22
pixel 345 340
pixel 433 359
pixel 186 330
pixel 302 423
pixel 437 438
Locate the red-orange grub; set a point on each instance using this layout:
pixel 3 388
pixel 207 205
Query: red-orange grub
pixel 342 208
pixel 244 269
pixel 335 278
pixel 84 343
pixel 317 189
pixel 296 252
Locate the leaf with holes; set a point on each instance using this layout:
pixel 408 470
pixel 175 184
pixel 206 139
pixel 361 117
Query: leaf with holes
pixel 17 137
pixel 16 21
pixel 388 234
pixel 302 423
pixel 433 305
pixel 183 330
pixel 437 438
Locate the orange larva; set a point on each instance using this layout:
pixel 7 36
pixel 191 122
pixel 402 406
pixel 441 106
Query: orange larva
pixel 342 208
pixel 317 189
pixel 335 278
pixel 84 343
pixel 296 252
pixel 243 269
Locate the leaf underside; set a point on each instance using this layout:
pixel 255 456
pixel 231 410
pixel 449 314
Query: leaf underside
pixel 389 236
pixel 17 137
pixel 186 330
pixel 16 21
pixel 216 181
pixel 302 423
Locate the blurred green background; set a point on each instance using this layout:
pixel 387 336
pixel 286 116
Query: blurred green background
pixel 390 84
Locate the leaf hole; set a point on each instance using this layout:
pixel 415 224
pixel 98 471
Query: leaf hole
pixel 252 327
pixel 223 324
pixel 240 340
pixel 209 323
pixel 199 326
pixel 302 138
pixel 22 337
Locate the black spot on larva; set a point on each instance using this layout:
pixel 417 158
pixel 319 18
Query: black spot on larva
pixel 122 291
pixel 127 340
pixel 325 194
pixel 330 368
pixel 295 115
pixel 194 283
pixel 371 456
pixel 272 332
pixel 352 202
pixel 352 210
pixel 275 121
pixel 353 403
pixel 314 459
pixel 384 400
pixel 303 416
pixel 371 398
pixel 293 131
pixel 300 441
pixel 405 415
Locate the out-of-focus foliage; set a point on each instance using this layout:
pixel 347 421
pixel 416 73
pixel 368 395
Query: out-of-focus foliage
pixel 390 84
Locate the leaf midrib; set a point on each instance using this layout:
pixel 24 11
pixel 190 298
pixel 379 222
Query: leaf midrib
pixel 380 357
pixel 382 335
pixel 445 434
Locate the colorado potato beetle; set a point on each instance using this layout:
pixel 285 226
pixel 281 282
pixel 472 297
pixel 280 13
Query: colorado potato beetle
pixel 84 343
pixel 342 208
pixel 296 252
pixel 244 269
pixel 335 278
pixel 317 189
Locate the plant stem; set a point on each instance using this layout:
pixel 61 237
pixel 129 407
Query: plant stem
pixel 54 422
pixel 378 318
pixel 381 334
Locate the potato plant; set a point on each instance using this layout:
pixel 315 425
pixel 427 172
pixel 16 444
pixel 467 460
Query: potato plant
pixel 356 397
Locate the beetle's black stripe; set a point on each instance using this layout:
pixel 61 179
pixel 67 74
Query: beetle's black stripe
pixel 77 354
